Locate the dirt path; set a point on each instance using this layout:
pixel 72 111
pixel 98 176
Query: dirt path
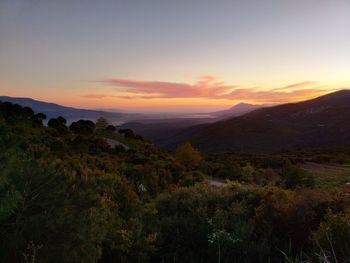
pixel 217 183
pixel 328 168
pixel 114 143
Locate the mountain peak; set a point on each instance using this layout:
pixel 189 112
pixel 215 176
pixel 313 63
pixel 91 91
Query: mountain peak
pixel 243 106
pixel 317 123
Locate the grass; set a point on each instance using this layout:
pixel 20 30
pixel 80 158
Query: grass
pixel 326 177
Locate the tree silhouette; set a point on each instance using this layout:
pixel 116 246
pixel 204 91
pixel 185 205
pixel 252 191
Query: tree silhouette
pixel 101 124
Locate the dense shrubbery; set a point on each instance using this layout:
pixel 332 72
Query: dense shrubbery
pixel 67 195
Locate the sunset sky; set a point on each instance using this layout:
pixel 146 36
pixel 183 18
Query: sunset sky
pixel 167 55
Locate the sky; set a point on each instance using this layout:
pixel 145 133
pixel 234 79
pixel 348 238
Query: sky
pixel 167 55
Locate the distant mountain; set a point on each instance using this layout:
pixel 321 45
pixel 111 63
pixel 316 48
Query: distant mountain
pixel 321 122
pixel 151 125
pixel 159 130
pixel 237 110
pixel 52 110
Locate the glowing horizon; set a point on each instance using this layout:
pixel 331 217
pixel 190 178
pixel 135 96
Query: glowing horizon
pixel 184 104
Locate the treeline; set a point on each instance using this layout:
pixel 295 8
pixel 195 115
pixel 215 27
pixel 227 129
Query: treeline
pixel 68 194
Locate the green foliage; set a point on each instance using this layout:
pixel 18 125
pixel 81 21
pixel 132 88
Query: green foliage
pixel 82 127
pixel 294 177
pixel 188 156
pixel 248 172
pixel 59 124
pixel 333 237
pixel 101 124
pixel 128 133
pixel 66 195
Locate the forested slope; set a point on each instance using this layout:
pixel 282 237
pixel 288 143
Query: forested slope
pixel 66 195
pixel 317 123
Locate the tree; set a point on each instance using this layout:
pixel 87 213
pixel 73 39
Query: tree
pixel 80 127
pixel 247 172
pixel 62 120
pixel 111 128
pixel 89 123
pixel 58 124
pixel 28 112
pixel 38 119
pixel 293 176
pixel 188 156
pixel 40 116
pixel 128 133
pixel 101 124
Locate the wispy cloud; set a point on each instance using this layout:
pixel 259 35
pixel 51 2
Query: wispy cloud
pixel 272 96
pixel 95 96
pixel 295 86
pixel 209 87
pixel 205 87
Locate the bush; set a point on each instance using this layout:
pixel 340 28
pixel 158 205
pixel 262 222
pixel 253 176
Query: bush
pixel 188 156
pixel 332 238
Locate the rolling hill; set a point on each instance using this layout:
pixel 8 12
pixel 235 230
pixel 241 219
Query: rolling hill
pixel 316 123
pixel 159 130
pixel 52 110
pixel 237 110
pixel 149 124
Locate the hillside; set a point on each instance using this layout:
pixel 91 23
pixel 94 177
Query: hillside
pixel 317 123
pixel 86 193
pixel 159 130
pixel 150 125
pixel 52 110
pixel 237 110
pixel 69 192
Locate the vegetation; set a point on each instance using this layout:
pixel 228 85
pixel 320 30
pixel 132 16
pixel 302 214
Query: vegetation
pixel 188 156
pixel 67 195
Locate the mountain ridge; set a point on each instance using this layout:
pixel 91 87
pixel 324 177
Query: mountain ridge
pixel 320 122
pixel 53 110
pixel 237 110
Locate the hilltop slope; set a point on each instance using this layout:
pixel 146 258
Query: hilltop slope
pixel 52 110
pixel 320 122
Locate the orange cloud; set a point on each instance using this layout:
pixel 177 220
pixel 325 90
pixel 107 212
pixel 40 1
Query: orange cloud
pixel 272 96
pixel 296 86
pixel 96 96
pixel 208 87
